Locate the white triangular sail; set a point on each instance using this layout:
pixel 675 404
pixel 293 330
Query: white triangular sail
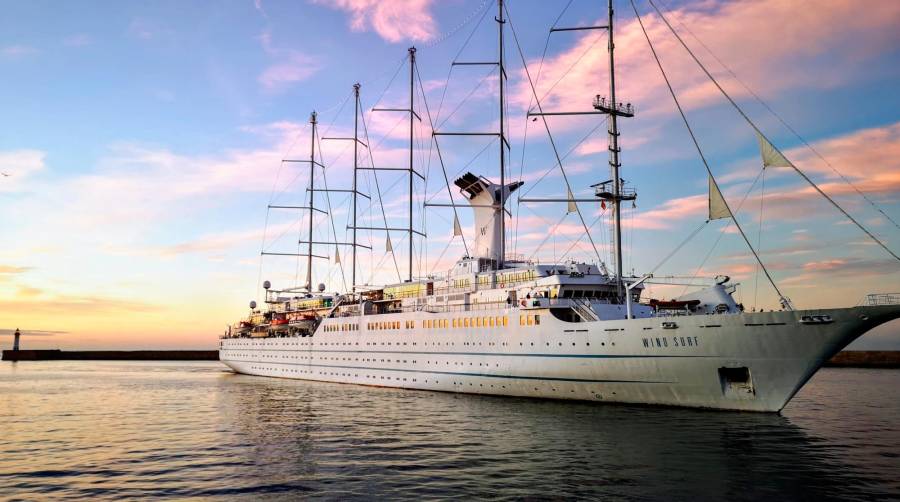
pixel 457 228
pixel 718 209
pixel 771 157
pixel 572 208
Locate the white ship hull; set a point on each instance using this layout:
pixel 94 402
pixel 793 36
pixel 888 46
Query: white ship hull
pixel 699 361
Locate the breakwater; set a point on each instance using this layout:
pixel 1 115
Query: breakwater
pixel 110 355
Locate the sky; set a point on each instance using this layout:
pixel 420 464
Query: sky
pixel 142 143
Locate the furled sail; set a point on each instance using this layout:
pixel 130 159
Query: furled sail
pixel 718 209
pixel 572 208
pixel 389 248
pixel 457 228
pixel 337 256
pixel 771 157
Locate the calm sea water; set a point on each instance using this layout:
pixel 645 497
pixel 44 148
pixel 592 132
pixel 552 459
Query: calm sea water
pixel 91 430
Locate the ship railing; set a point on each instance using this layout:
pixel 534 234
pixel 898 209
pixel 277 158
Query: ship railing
pixel 878 299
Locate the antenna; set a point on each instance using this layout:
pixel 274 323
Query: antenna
pixel 311 207
pixel 412 115
pixel 498 204
pixel 503 190
pixel 312 193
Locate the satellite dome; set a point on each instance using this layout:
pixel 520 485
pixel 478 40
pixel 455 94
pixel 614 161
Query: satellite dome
pixel 252 304
pixel 321 287
pixel 267 285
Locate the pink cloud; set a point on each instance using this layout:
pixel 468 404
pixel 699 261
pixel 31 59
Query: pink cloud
pixel 773 45
pixel 17 51
pixel 394 21
pixel 295 68
pixel 668 213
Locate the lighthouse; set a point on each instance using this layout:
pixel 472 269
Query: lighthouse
pixel 16 337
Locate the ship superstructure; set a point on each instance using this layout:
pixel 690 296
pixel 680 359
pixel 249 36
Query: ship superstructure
pixel 500 324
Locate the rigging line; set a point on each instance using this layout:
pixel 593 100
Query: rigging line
pixel 450 33
pixel 712 178
pixel 600 216
pixel 549 135
pixel 550 234
pixel 678 248
pixel 521 180
pixel 564 157
pixel 760 133
pixel 450 71
pixel 762 198
pixel 724 228
pixel 378 188
pixel 471 161
pixel 472 33
pixel 546 223
pixel 330 213
pixel 391 82
pixel 469 95
pixel 569 69
pixel 782 120
pixel 338 114
pixel 437 148
pixel 540 69
pixel 441 256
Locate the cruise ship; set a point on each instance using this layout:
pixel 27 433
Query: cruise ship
pixel 501 324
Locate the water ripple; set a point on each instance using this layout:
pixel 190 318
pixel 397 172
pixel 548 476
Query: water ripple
pixel 112 430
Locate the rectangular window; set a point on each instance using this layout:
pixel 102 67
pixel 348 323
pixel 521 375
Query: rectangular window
pixel 505 320
pixel 492 322
pixel 531 320
pixel 454 322
pixel 521 320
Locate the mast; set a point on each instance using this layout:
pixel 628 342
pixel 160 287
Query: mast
pixel 355 169
pixel 312 195
pixel 502 77
pixel 614 154
pixel 412 67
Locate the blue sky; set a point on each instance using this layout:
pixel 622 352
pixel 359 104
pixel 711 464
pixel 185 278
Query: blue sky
pixel 143 143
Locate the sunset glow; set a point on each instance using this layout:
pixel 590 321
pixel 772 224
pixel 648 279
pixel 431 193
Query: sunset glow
pixel 141 143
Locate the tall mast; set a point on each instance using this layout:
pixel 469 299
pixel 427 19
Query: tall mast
pixel 412 67
pixel 312 195
pixel 355 169
pixel 500 23
pixel 614 155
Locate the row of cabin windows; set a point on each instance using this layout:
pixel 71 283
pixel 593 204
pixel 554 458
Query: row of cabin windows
pixel 384 325
pixel 329 328
pixel 465 322
pixel 459 322
pixel 528 275
pixel 529 320
pixel 480 322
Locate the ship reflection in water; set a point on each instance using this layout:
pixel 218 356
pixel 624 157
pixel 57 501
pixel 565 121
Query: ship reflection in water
pixel 139 429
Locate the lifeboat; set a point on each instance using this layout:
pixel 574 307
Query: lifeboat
pixel 279 322
pixel 246 324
